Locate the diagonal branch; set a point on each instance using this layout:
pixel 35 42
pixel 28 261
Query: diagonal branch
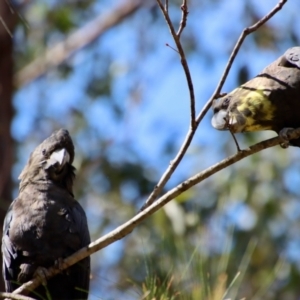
pixel 128 227
pixel 190 134
pixel 77 40
pixel 14 296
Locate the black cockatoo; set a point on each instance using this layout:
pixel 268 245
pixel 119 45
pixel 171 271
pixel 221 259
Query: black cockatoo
pixel 45 224
pixel 269 101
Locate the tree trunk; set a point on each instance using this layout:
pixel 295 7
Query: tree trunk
pixel 7 24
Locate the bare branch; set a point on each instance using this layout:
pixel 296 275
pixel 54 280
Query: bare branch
pixel 175 162
pixel 184 15
pixel 77 40
pixel 183 60
pixel 167 6
pixel 14 296
pixel 128 227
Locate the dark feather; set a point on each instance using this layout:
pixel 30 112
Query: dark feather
pixel 45 223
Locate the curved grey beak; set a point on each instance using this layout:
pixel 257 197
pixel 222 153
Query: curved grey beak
pixel 58 159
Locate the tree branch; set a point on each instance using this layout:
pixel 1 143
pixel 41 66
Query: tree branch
pixel 176 38
pixel 128 227
pixel 75 41
pixel 184 15
pixel 167 6
pixel 190 134
pixel 14 296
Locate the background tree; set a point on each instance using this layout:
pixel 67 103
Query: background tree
pixel 8 21
pixel 125 101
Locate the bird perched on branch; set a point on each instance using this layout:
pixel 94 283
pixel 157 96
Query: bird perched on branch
pixel 45 224
pixel 269 101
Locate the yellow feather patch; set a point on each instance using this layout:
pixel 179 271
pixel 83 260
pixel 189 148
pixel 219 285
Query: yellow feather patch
pixel 255 107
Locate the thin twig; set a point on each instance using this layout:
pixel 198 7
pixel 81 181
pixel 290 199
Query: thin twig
pixel 185 12
pixel 175 162
pixel 183 60
pixel 167 6
pixel 127 227
pixel 172 47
